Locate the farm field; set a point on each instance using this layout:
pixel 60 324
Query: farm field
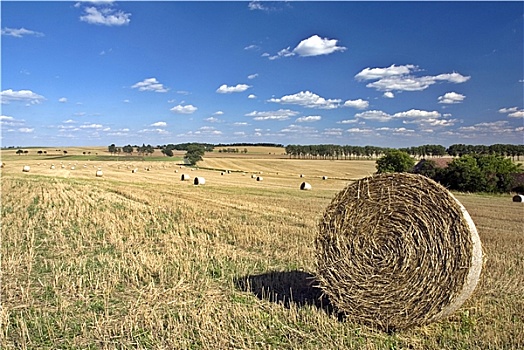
pixel 145 260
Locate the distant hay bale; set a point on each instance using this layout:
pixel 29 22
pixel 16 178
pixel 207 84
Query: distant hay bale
pixel 26 168
pixel 324 177
pixel 305 186
pixel 518 198
pixel 199 181
pixel 302 175
pixel 397 250
pixel 135 170
pixel 222 173
pixel 176 171
pixel 52 167
pixel 259 178
pixel 99 173
pixel 253 176
pixel 185 177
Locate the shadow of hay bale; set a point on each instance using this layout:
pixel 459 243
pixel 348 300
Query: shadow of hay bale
pixel 286 288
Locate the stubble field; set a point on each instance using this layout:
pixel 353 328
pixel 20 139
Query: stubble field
pixel 145 260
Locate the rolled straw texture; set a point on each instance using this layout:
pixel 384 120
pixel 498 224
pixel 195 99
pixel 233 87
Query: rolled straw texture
pixel 397 250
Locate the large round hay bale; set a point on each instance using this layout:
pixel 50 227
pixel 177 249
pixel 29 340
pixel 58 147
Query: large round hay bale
pixel 26 168
pixel 260 178
pixel 99 173
pixel 199 181
pixel 324 177
pixel 185 177
pixel 518 198
pixel 397 250
pixel 305 186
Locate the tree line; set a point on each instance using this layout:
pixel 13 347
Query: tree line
pixel 328 151
pixel 467 173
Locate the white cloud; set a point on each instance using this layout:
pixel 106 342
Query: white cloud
pixel 380 73
pixel 155 131
pixel 218 113
pixel 187 109
pixel 26 130
pixel 308 119
pixel 256 5
pixel 159 124
pixel 359 131
pixel 451 98
pixel 374 115
pixel 388 94
pixel 308 99
pixel 252 76
pixel 19 33
pixel 282 53
pixel 252 96
pixel 5 117
pixel 224 89
pixel 105 16
pixel 316 46
pixel 69 121
pixel 28 96
pixel 513 112
pixel 252 47
pixel 401 78
pixel 212 120
pixel 358 104
pixel 281 114
pixel 517 114
pixel 91 126
pixel 416 113
pixel 150 84
pixel 348 121
pixel 299 129
pixel 62 99
pixel 490 128
pixel 333 132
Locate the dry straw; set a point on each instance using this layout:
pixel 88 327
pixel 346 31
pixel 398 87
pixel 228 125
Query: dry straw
pixel 518 198
pixel 396 251
pixel 305 186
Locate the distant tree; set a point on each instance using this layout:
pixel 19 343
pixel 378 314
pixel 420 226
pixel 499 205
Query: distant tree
pixel 26 152
pixel 168 152
pixel 112 148
pixel 39 152
pixel 19 152
pixel 395 161
pixel 65 152
pixel 128 149
pixel 194 154
pixel 463 174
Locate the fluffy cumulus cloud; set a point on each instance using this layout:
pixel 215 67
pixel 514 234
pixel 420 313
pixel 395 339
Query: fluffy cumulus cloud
pixel 308 119
pixel 224 89
pixel 62 100
pixel 105 16
pixel 513 112
pixel 281 114
pixel 187 109
pixel 312 46
pixel 451 98
pixel 403 78
pixel 490 128
pixel 417 114
pixel 252 96
pixel 150 84
pixel 333 132
pixel 21 32
pixel 316 46
pixel 28 96
pixel 388 94
pixel 358 104
pixel 307 99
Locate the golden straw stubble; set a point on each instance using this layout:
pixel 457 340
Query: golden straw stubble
pixel 397 250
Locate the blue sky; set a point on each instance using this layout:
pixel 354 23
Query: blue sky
pixel 360 73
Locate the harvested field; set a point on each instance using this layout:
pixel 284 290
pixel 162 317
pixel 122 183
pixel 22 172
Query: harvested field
pixel 148 261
